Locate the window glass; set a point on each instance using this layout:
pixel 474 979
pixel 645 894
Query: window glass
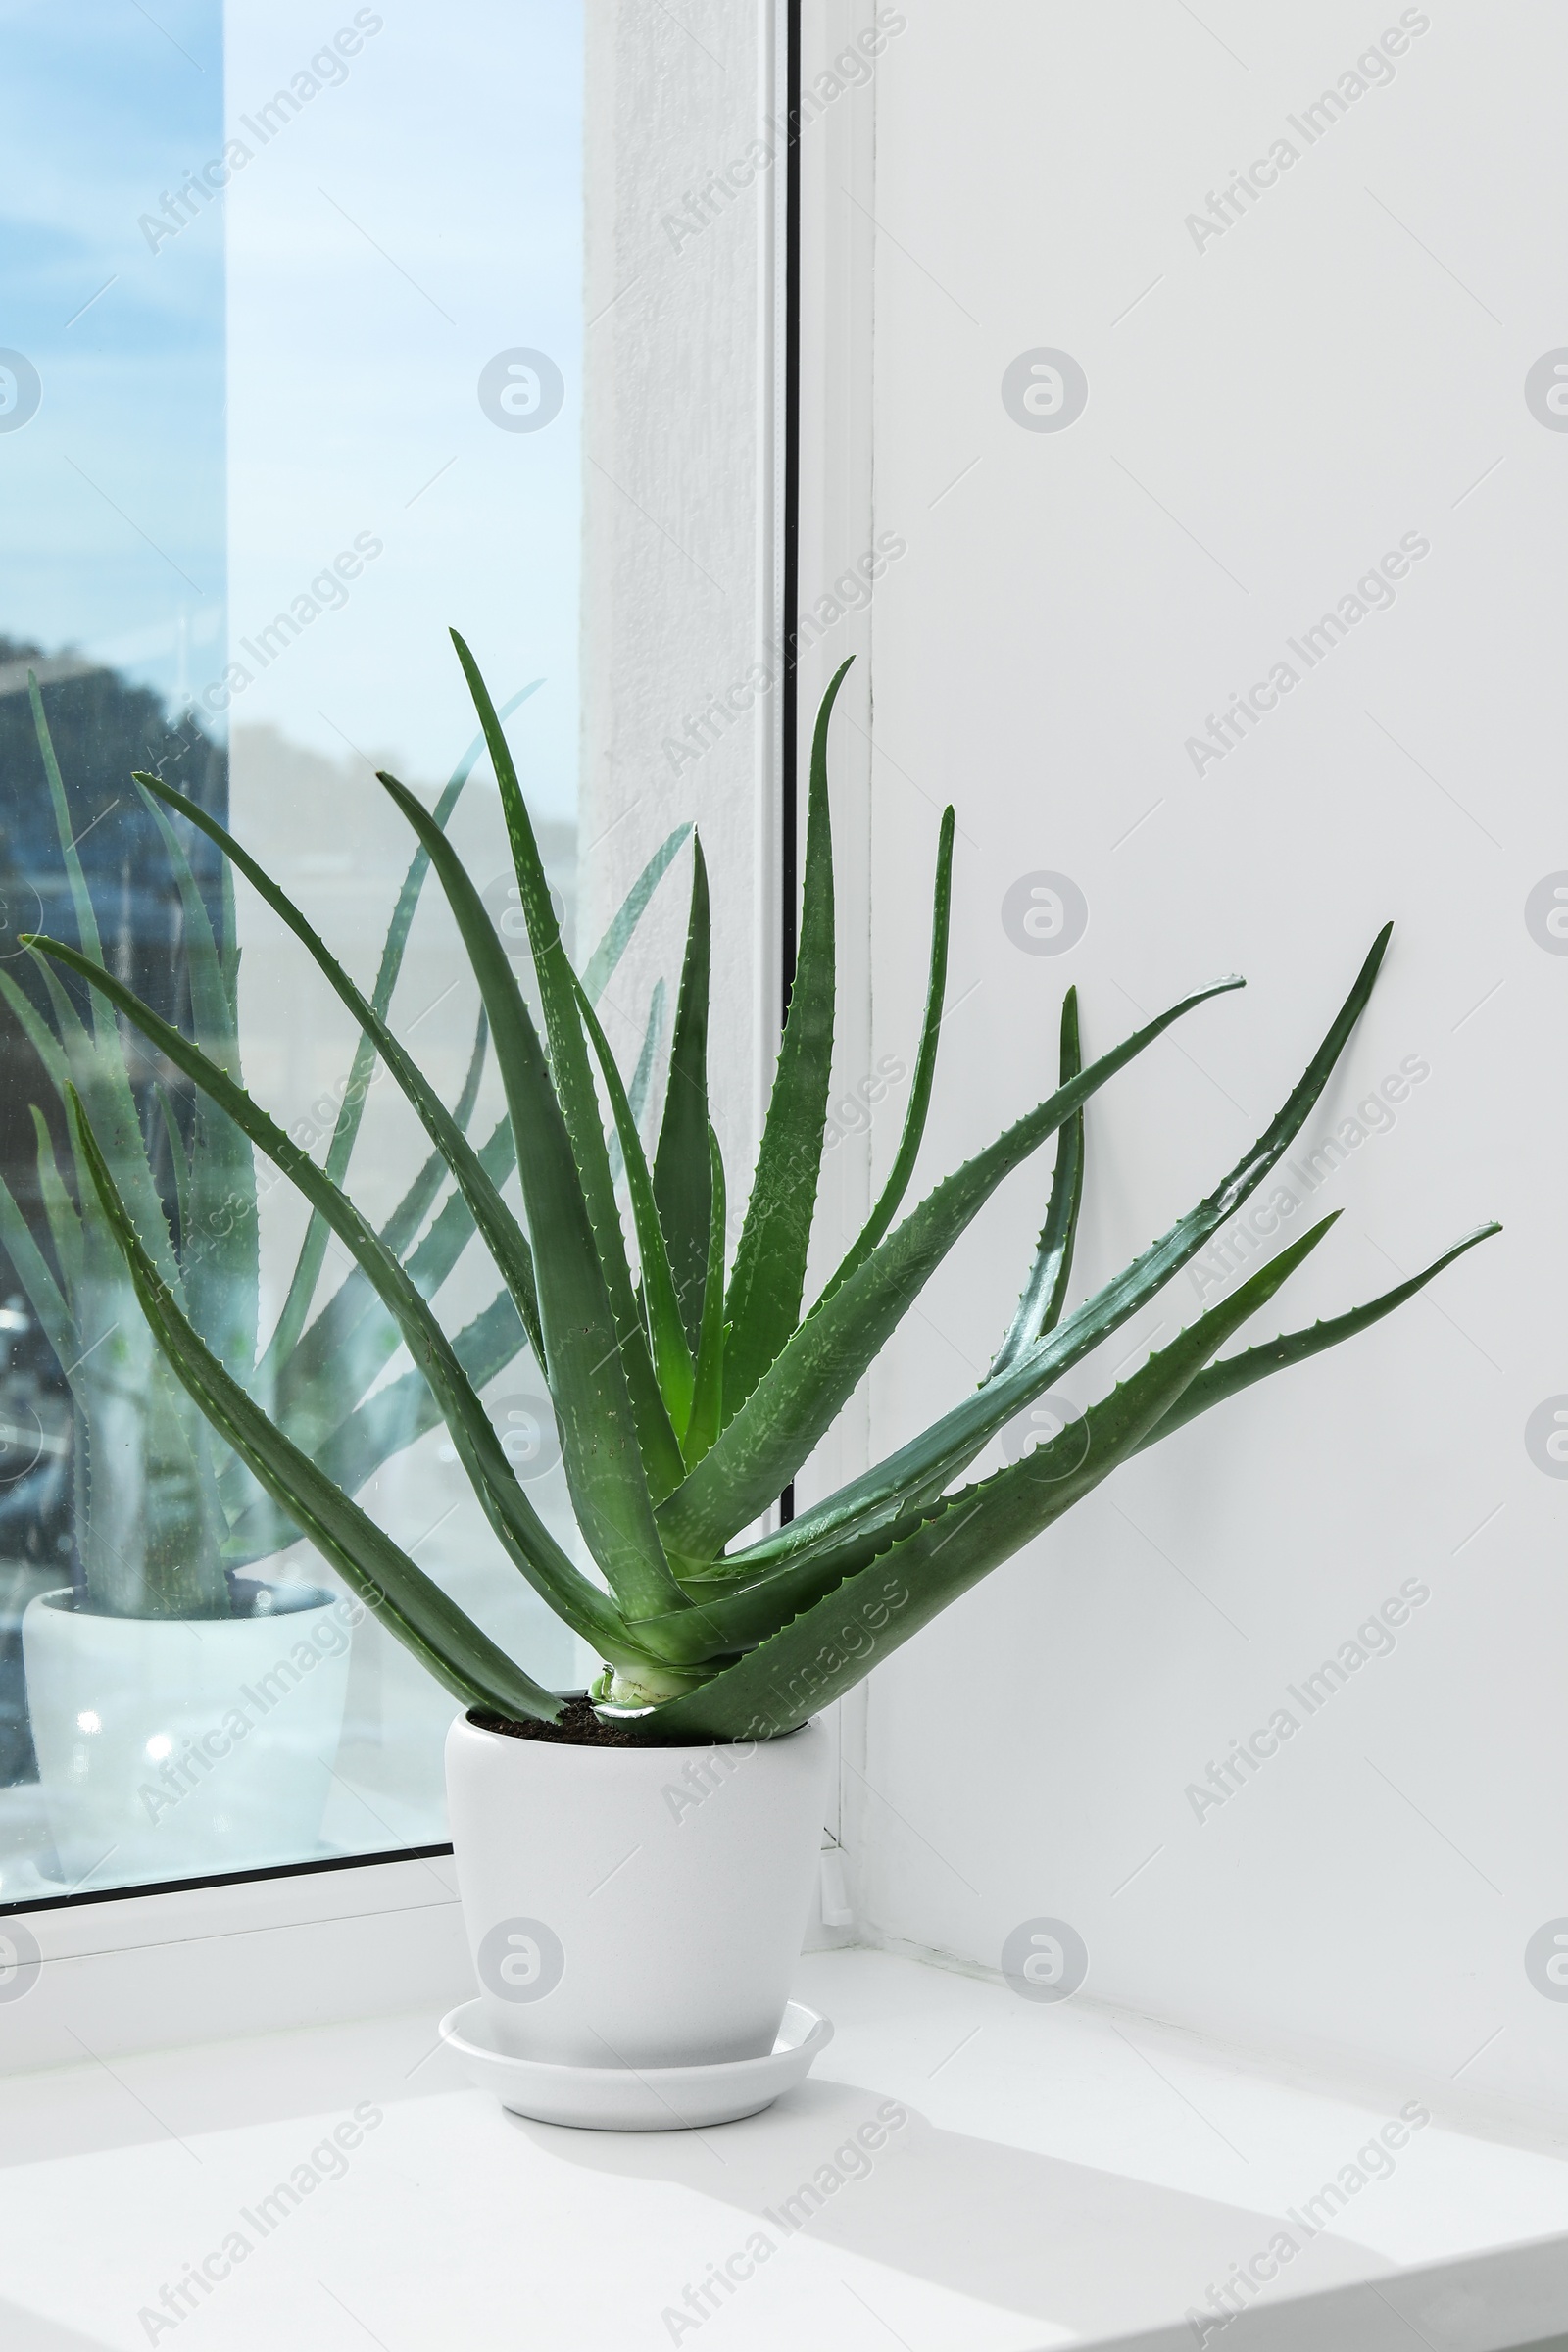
pixel 291 381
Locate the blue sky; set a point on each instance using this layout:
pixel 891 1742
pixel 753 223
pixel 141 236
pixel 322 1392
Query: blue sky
pixel 292 367
pixel 100 110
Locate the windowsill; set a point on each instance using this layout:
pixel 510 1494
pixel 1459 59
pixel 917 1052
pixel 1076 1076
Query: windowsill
pixel 1066 2175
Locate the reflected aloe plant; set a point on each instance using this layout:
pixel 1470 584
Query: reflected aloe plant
pixel 166 1510
pixel 687 1390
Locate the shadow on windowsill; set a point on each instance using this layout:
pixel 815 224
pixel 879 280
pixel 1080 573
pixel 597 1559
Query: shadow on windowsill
pixel 1098 2253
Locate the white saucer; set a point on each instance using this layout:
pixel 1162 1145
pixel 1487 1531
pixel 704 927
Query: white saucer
pixel 617 2098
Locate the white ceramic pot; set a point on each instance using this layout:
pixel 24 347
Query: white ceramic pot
pixel 179 1748
pixel 635 1907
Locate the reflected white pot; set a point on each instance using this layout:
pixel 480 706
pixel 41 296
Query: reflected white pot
pixel 635 1906
pixel 178 1749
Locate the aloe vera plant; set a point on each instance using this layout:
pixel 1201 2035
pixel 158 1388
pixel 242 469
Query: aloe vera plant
pixel 167 1510
pixel 687 1390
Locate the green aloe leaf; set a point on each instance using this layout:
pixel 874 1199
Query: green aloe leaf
pixel 682 1187
pixel 366 1438
pixel 229 946
pixel 601 964
pixel 798 1398
pixel 930 1461
pixel 321 1346
pixel 94 1061
pixel 503 1237
pixel 179 1156
pixel 739 1613
pixel 345 1133
pixel 219 1245
pixel 673 1360
pixel 60 1213
pixel 582 1350
pixel 768 1278
pixel 577 1103
pixel 212 1013
pixel 97 1061
pixel 342 1354
pixel 908 1151
pixel 1046 1291
pixel 706 1414
pixel 524 1535
pixel 182 1526
pixel 42 1039
pixel 1238 1372
pixel 642 1077
pixel 434 1629
pixel 360 1440
pixel 416 1202
pixel 33 1272
pixel 837 1639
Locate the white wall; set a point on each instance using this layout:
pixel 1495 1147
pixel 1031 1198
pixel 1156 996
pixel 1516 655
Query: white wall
pixel 1268 413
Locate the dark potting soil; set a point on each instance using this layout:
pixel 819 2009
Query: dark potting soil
pixel 578 1727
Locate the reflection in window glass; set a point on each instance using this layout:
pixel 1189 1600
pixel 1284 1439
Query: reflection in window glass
pixel 291 381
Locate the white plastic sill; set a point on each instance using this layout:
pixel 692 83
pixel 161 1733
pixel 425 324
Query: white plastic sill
pixel 1045 2176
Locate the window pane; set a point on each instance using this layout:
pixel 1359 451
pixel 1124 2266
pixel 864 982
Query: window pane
pixel 296 383
pixel 322 336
